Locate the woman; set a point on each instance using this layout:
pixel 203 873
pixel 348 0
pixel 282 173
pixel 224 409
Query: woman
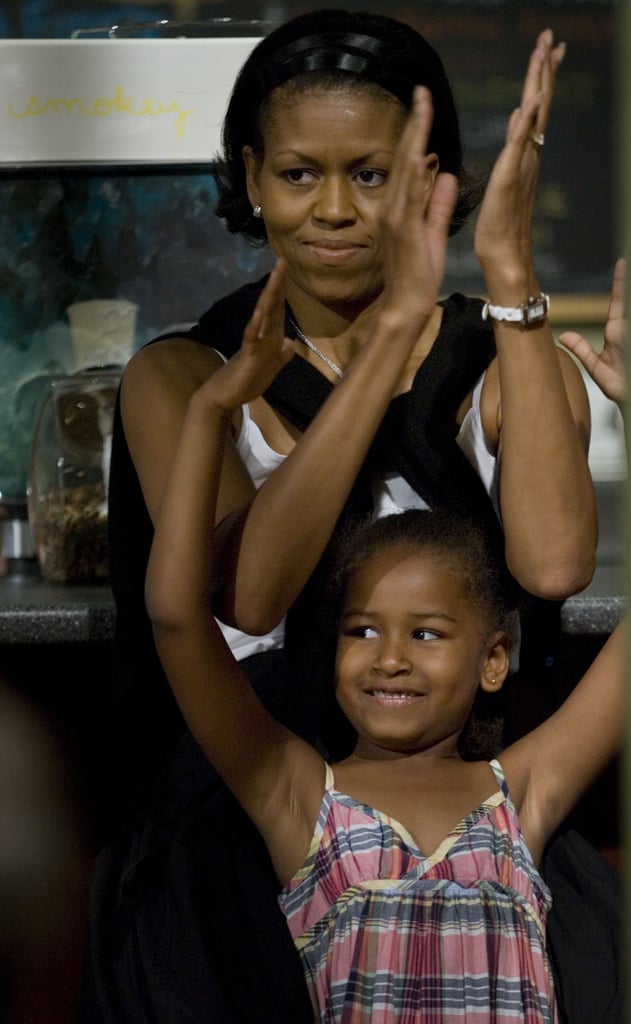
pixel 442 407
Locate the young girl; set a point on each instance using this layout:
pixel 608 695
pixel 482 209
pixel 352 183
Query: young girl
pixel 409 875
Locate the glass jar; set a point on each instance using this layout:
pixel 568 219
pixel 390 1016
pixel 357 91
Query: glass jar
pixel 68 477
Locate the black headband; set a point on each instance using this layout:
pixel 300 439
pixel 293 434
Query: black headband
pixel 343 51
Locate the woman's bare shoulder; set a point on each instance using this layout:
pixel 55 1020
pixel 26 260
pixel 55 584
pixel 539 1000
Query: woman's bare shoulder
pixel 175 358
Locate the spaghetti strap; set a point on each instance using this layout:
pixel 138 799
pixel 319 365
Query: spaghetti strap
pixel 500 778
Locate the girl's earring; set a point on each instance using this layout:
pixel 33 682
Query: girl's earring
pixel 257 212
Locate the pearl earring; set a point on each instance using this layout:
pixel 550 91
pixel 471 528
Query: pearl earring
pixel 257 212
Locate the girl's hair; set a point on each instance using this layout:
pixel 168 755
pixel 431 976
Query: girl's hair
pixel 322 49
pixel 469 550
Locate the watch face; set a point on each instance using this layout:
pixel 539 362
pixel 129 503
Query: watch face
pixel 536 309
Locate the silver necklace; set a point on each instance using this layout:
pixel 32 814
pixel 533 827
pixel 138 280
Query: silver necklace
pixel 303 337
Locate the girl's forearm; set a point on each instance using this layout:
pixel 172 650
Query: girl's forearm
pixel 294 513
pixel 179 572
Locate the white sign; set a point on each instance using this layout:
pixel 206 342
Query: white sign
pixel 115 100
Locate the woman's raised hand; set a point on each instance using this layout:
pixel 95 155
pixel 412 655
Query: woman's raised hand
pixel 503 228
pixel 415 216
pixel 607 368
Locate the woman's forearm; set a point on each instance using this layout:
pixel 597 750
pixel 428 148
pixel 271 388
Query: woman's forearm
pixel 547 496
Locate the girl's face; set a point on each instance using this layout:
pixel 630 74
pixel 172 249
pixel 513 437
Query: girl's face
pixel 412 650
pixel 320 185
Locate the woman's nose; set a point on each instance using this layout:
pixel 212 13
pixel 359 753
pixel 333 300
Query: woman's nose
pixel 334 203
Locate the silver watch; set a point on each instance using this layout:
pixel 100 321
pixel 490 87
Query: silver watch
pixel 531 312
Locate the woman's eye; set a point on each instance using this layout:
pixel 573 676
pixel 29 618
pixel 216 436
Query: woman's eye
pixel 370 177
pixel 299 175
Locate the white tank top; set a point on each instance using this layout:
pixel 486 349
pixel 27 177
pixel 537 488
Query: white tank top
pixel 391 494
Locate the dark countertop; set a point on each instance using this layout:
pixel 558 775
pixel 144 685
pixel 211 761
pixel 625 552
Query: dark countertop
pixel 33 611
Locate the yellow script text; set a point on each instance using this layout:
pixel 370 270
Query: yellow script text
pixel 103 106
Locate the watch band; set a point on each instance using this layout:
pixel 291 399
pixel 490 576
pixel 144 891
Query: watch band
pixel 532 312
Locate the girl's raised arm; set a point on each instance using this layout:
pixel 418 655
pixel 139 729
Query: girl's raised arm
pixel 258 759
pixel 551 767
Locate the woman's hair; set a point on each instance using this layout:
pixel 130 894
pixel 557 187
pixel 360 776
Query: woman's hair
pixel 323 49
pixel 467 549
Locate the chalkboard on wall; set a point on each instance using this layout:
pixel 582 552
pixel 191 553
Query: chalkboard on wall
pixel 485 49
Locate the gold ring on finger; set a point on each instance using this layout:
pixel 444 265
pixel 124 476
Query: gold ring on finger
pixel 538 138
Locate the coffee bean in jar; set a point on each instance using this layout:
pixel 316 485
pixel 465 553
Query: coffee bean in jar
pixel 68 477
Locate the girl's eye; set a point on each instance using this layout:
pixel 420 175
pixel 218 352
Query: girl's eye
pixel 361 632
pixel 425 634
pixel 370 177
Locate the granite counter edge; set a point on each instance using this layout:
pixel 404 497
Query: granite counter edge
pixel 91 618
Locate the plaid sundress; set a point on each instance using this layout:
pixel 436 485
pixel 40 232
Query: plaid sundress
pixel 386 934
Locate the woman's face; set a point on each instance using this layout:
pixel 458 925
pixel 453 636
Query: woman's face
pixel 320 185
